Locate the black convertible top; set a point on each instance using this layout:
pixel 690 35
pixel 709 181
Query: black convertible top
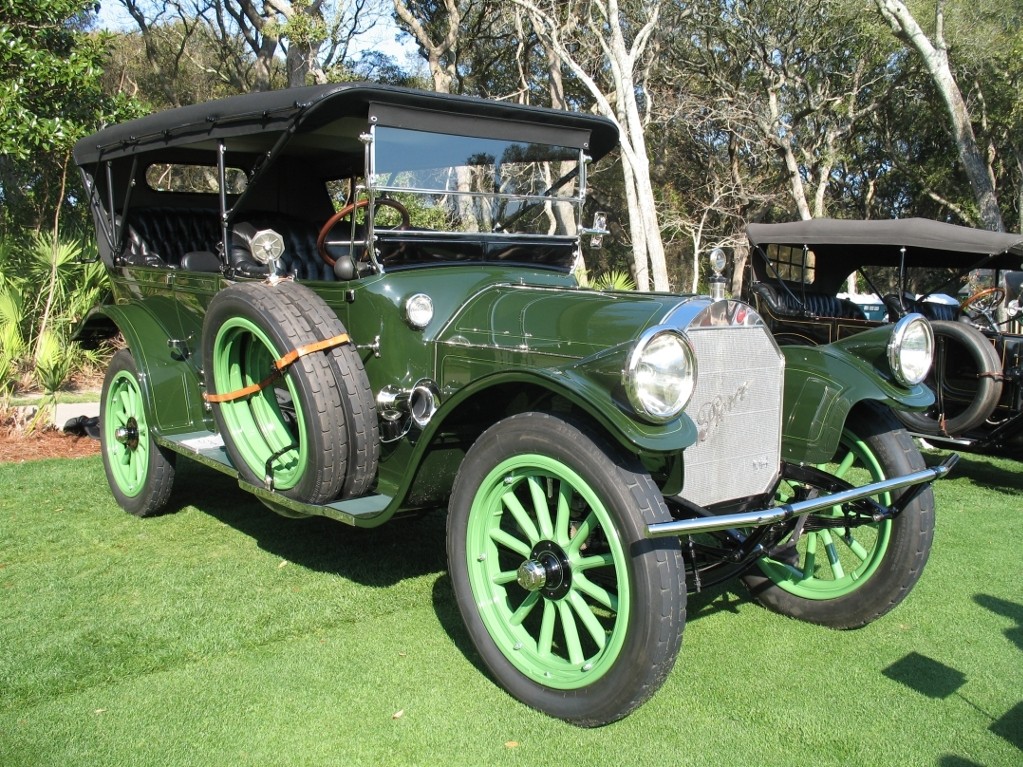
pixel 315 105
pixel 927 243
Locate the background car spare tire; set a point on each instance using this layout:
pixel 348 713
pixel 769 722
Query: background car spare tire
pixel 312 432
pixel 959 337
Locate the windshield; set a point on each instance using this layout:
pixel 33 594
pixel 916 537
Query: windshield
pixel 473 184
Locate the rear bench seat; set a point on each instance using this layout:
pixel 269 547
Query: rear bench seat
pixel 162 237
pixel 801 303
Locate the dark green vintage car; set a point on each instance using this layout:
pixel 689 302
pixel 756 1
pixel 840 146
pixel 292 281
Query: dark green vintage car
pixel 360 302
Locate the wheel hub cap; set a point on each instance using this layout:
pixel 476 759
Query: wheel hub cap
pixel 547 570
pixel 128 434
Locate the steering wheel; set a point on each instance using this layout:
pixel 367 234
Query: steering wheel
pixel 984 301
pixel 348 210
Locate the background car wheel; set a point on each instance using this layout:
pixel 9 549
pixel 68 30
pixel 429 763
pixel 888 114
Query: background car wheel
pixel 572 609
pixel 293 431
pixel 140 473
pixel 846 577
pixel 963 379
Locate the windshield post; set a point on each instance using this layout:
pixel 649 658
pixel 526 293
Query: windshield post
pixel 369 141
pixel 903 287
pixel 222 183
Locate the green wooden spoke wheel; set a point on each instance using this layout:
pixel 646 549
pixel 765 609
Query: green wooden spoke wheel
pixel 140 473
pixel 846 576
pixel 572 609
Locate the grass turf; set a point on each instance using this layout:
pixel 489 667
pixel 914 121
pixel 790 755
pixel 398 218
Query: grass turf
pixel 224 634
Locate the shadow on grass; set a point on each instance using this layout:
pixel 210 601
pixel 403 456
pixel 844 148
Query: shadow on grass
pixel 979 471
pixel 1007 609
pixel 400 549
pixel 925 675
pixel 446 608
pixel 725 597
pixel 1010 725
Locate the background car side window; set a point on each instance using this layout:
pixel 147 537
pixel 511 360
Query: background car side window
pixel 792 264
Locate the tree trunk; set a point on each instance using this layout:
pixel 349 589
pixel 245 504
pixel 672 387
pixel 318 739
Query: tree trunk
pixel 935 58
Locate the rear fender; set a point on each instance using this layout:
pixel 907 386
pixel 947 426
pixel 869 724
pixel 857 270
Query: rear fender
pixel 170 385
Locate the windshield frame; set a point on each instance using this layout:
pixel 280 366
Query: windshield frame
pixel 564 138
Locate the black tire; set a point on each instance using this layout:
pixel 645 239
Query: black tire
pixel 292 434
pixel 610 613
pixel 356 395
pixel 964 378
pixel 875 565
pixel 140 473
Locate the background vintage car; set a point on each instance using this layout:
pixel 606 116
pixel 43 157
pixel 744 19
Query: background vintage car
pixel 798 274
pixel 359 301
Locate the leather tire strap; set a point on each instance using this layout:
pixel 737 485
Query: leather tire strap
pixel 280 366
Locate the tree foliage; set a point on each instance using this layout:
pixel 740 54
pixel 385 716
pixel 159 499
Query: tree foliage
pixel 50 96
pixel 740 110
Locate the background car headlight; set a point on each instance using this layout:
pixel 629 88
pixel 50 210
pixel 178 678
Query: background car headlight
pixel 661 375
pixel 911 349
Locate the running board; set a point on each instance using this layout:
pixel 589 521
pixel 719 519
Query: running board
pixel 207 448
pixel 353 511
pixel 786 511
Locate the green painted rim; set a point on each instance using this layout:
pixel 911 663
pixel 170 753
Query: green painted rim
pixel 836 562
pixel 573 640
pixel 256 425
pixel 129 463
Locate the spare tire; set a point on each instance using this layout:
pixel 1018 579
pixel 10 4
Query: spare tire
pixel 292 435
pixel 357 398
pixel 966 381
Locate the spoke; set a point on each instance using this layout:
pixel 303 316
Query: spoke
pixel 509 541
pixel 588 619
pixel 545 641
pixel 125 455
pixel 141 465
pixel 809 561
pixel 586 527
pixel 540 508
pixel 125 401
pixel 504 577
pixel 571 631
pixel 845 465
pixel 511 502
pixel 597 560
pixel 561 534
pixel 525 608
pixel 786 491
pixel 594 592
pixel 856 547
pixel 829 547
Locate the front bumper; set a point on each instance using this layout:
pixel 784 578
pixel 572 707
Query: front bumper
pixel 775 514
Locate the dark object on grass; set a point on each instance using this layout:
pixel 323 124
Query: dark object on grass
pixel 83 426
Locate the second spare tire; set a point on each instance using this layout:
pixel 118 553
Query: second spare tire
pixel 308 432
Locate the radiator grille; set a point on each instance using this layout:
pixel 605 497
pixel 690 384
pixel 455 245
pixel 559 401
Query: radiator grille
pixel 737 410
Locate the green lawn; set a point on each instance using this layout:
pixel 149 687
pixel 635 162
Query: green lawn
pixel 223 634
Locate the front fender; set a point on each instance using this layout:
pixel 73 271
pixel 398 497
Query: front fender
pixel 824 383
pixel 596 400
pixel 170 386
pixel 429 463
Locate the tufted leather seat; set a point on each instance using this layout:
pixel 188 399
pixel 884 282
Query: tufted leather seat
pixel 932 310
pixel 301 259
pixel 162 236
pixel 802 303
